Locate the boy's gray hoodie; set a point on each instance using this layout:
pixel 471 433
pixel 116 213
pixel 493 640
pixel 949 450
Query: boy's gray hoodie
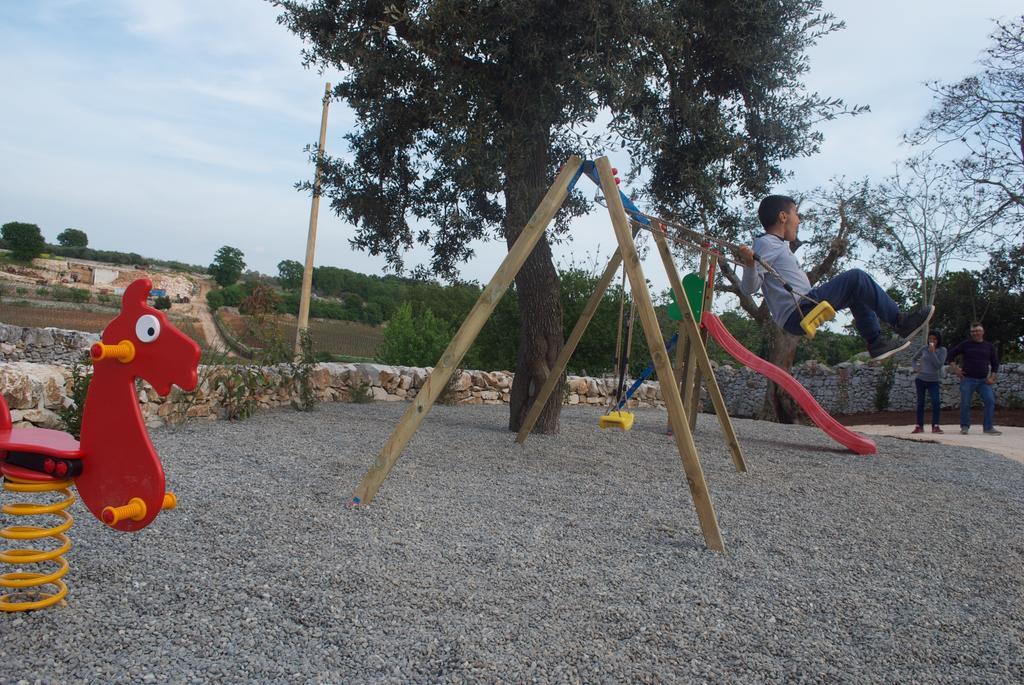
pixel 776 253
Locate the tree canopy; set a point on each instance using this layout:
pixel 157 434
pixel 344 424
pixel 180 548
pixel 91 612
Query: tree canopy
pixel 228 264
pixel 993 295
pixel 465 110
pixel 985 114
pixel 924 222
pixel 25 241
pixel 73 237
pixel 289 274
pixel 705 95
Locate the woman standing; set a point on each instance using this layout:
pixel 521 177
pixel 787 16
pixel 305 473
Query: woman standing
pixel 928 365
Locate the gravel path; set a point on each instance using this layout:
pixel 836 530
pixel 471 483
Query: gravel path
pixel 576 558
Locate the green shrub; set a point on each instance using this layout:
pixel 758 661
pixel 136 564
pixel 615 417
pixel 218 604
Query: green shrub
pixel 62 293
pixel 233 295
pixel 78 388
pixel 300 374
pixel 413 340
pixel 215 300
pixel 162 302
pixel 885 383
pixel 240 386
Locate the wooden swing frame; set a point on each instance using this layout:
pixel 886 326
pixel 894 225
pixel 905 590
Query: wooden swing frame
pixel 692 363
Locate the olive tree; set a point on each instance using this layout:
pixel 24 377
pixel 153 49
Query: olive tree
pixel 228 265
pixel 73 237
pixel 464 112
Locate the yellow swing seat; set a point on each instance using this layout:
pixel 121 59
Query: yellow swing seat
pixel 617 419
pixel 821 313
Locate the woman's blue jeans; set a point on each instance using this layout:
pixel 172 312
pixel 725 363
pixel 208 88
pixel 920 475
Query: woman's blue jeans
pixel 933 392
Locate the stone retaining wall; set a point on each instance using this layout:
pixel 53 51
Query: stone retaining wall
pixel 853 388
pixel 35 392
pixel 43 345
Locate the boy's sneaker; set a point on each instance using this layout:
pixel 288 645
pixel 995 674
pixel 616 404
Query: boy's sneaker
pixel 883 348
pixel 993 431
pixel 965 430
pixel 937 429
pixel 917 429
pixel 908 325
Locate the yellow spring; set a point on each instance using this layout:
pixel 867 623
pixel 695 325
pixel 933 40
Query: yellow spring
pixel 25 596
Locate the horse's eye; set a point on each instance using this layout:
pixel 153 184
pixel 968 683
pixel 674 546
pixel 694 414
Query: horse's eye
pixel 147 328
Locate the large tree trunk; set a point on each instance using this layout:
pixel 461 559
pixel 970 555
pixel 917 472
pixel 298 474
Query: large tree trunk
pixel 778 405
pixel 540 305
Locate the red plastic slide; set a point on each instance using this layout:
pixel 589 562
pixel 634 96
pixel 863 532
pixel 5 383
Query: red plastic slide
pixel 835 430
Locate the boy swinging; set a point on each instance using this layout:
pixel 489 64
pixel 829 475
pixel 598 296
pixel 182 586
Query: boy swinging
pixel 854 289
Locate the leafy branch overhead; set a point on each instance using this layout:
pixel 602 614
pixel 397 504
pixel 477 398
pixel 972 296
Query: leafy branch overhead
pixel 465 110
pixel 984 115
pixel 455 101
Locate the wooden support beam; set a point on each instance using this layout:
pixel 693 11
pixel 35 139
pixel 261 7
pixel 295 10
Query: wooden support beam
pixel 706 275
pixel 709 290
pixel 699 349
pixel 467 333
pixel 670 392
pixel 570 346
pixel 691 386
pixel 681 351
pixel 682 355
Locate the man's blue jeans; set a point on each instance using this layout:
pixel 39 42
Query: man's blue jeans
pixel 854 290
pixel 969 386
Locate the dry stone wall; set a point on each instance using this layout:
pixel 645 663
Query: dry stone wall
pixel 854 388
pixel 43 345
pixel 36 391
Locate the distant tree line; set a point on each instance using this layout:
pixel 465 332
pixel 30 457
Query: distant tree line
pixel 421 316
pixel 993 295
pixel 25 242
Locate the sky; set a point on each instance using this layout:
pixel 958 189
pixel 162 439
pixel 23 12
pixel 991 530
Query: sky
pixel 175 127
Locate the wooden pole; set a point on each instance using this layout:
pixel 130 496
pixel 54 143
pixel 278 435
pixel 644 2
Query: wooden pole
pixel 709 292
pixel 467 333
pixel 314 211
pixel 691 384
pixel 699 349
pixel 670 392
pixel 570 346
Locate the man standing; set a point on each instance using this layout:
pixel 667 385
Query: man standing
pixel 977 374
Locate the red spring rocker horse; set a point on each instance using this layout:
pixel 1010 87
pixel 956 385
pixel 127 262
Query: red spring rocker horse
pixel 114 467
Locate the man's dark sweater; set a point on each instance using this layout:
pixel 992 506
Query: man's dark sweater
pixel 979 358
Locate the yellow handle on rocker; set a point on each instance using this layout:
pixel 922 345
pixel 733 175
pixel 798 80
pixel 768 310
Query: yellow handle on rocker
pixel 123 351
pixel 134 510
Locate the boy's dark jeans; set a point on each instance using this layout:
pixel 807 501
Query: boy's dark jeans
pixel 854 290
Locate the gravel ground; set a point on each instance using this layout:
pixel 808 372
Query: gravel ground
pixel 576 558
